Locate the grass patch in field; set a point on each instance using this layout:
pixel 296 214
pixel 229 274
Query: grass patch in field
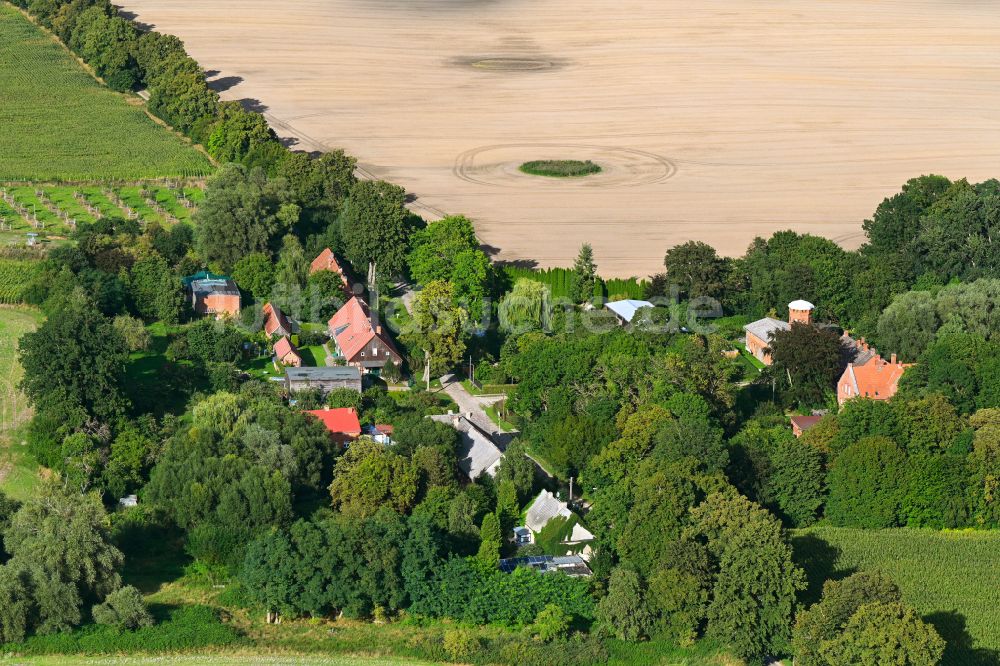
pixel 560 168
pixel 314 356
pixel 424 641
pixel 177 628
pixel 18 469
pixel 951 578
pixel 133 199
pixel 470 387
pixel 494 415
pixel 195 195
pixel 546 466
pixel 314 327
pixel 62 197
pixel 95 195
pixel 702 653
pixel 21 472
pixel 754 362
pixel 262 367
pixel 58 123
pixel 170 200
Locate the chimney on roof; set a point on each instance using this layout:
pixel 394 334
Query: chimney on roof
pixel 892 359
pixel 378 330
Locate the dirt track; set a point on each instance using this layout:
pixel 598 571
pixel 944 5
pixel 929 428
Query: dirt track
pixel 716 120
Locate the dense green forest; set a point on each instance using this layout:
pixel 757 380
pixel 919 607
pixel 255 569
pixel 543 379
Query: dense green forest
pixel 250 520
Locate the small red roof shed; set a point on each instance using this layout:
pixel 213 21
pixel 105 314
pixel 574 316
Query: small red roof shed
pixel 342 422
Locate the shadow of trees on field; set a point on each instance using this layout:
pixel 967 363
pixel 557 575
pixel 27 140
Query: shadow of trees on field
pixel 516 263
pixel 253 105
pixel 818 558
pixel 960 649
pixel 134 18
pixel 224 83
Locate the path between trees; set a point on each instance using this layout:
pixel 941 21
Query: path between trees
pixel 472 406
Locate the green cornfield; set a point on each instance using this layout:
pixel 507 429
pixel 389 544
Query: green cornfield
pixel 952 578
pixel 58 123
pixel 15 274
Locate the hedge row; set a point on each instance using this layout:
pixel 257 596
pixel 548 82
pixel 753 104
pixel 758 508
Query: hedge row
pixel 129 58
pixel 184 628
pixel 560 281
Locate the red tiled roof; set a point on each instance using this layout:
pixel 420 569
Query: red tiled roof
pixel 275 320
pixel 352 327
pixel 283 347
pixel 877 379
pixel 326 261
pixel 339 421
pixel 805 422
pixel 384 428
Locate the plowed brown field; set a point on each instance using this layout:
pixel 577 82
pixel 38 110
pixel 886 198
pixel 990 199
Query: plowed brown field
pixel 716 120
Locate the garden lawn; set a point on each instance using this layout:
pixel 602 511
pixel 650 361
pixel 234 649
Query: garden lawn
pixel 58 123
pixel 494 415
pixel 18 470
pixel 951 578
pixel 314 356
pixel 752 361
pixel 262 367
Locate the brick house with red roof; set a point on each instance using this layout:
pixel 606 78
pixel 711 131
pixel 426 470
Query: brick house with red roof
pixel 759 333
pixel 877 379
pixel 213 294
pixel 362 343
pixel 802 423
pixel 326 261
pixel 286 353
pixel 275 321
pixel 342 422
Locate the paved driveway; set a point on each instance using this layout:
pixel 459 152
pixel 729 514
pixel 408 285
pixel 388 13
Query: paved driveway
pixel 472 406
